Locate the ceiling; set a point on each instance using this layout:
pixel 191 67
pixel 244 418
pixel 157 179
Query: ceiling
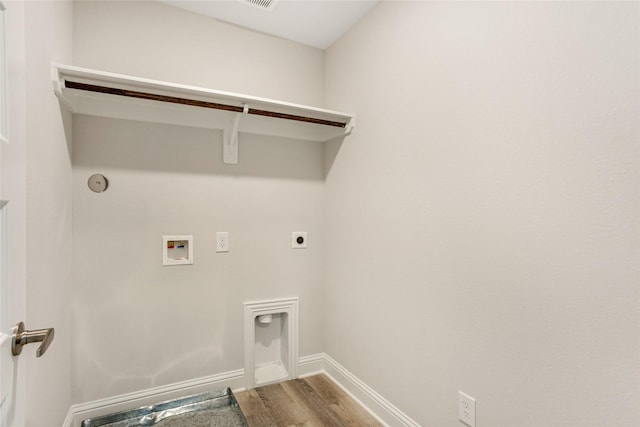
pixel 317 23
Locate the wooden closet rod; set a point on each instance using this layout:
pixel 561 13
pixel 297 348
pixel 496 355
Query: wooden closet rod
pixel 196 103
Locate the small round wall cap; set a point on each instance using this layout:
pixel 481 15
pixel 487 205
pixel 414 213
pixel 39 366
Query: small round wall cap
pixel 98 183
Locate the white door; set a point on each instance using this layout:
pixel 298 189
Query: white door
pixel 12 221
pixel 7 366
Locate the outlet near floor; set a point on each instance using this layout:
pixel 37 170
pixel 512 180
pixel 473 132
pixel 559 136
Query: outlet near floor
pixel 467 409
pixel 222 241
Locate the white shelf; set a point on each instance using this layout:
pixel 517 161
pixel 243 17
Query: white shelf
pixel 126 97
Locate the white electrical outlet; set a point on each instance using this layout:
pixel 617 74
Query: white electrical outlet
pixel 222 241
pixel 467 409
pixel 299 240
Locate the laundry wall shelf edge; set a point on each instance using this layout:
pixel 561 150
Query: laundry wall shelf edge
pixel 105 94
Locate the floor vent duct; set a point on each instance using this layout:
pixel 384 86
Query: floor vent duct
pixel 211 409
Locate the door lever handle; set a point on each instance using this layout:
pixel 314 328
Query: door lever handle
pixel 22 337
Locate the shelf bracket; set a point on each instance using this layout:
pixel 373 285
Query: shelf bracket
pixel 230 138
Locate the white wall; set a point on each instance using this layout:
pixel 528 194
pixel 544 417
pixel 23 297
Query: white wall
pixel 138 324
pixel 484 217
pixel 47 38
pixel 143 38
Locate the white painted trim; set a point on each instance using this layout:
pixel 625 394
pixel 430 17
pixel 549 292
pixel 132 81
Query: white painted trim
pixel 321 363
pixel 311 365
pixel 4 337
pixel 377 405
pixel 254 309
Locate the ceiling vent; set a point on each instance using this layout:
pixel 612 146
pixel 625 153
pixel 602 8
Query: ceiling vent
pixel 261 4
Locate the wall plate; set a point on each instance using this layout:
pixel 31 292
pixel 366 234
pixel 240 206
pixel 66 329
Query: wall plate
pixel 222 241
pixel 299 240
pixel 466 409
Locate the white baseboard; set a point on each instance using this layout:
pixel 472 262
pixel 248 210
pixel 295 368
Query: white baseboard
pixel 373 402
pixel 379 407
pixel 311 365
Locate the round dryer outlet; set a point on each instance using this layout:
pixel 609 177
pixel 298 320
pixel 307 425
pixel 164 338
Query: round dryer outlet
pixel 299 240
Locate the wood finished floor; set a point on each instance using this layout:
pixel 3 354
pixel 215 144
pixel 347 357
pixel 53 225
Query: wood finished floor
pixel 310 402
